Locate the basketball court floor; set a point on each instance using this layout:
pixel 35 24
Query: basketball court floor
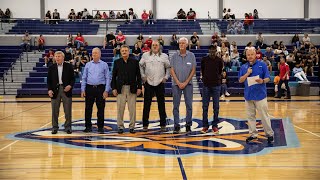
pixel 29 151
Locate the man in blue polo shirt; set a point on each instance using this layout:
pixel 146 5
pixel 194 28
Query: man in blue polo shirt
pixel 255 94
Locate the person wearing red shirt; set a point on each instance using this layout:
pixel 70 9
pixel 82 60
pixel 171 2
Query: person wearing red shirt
pixel 145 48
pixel 41 43
pixel 121 39
pixel 149 42
pixel 145 17
pixel 259 54
pixel 48 58
pixel 251 23
pixel 79 40
pixel 284 78
pixel 246 23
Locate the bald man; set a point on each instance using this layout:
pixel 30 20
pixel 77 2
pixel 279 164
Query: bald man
pixel 95 87
pixel 256 95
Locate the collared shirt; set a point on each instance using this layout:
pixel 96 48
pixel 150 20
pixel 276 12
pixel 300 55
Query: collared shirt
pixel 60 69
pixel 255 92
pixel 183 65
pixel 155 67
pixel 96 74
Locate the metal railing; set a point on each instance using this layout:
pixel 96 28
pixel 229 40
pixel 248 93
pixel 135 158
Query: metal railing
pixel 4 86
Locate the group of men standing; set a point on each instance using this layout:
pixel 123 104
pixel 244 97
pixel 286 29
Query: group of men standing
pixel 153 70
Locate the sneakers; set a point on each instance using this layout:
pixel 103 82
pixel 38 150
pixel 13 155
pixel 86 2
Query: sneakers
pixel 227 93
pixel 45 65
pixel 251 138
pixel 215 130
pixel 120 131
pixel 132 131
pixel 204 130
pixel 100 130
pixel 176 130
pixel 222 97
pixel 145 129
pixel 287 97
pixel 163 129
pixel 54 131
pixel 188 129
pixel 270 139
pixel 87 130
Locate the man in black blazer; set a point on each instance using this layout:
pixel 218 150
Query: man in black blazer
pixel 60 82
pixel 126 86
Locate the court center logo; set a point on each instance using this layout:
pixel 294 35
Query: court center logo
pixel 229 141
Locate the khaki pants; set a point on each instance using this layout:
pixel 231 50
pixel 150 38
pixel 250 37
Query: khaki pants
pixel 262 108
pixel 122 99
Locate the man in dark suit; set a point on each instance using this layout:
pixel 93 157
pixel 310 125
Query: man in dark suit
pixel 126 86
pixel 60 82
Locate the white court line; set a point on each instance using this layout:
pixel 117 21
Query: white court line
pixel 19 140
pixel 307 131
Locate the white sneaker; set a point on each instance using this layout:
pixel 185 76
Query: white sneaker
pixel 222 97
pixel 45 65
pixel 227 94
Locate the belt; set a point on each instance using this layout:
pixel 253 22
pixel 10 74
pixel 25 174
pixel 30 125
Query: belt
pixel 95 86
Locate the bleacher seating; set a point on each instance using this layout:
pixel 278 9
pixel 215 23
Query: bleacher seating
pixel 8 55
pixel 63 28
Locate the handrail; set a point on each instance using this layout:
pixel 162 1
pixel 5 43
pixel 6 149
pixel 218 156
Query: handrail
pixel 20 61
pixel 102 10
pixel 4 86
pixel 11 67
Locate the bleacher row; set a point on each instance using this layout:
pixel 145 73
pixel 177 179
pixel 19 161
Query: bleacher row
pixel 8 56
pixel 36 82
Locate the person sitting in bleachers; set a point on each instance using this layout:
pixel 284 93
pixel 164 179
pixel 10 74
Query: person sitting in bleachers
pixel 145 48
pixel 299 73
pixel 55 16
pixel 269 54
pixel 291 61
pixel 239 29
pixel 140 40
pixel 309 65
pixel 194 41
pixel 149 41
pixel 306 41
pixel 124 16
pixel 144 17
pixel 86 14
pixel 230 28
pixel 26 39
pixel 227 61
pixel 68 56
pixel 152 20
pixel 79 15
pixel 109 40
pixel 233 45
pixel 246 23
pixel 295 40
pixel 235 57
pixel 112 15
pixel 48 58
pixel 268 63
pixel 181 14
pixel 224 49
pixel 1 14
pixel 104 15
pixel 191 14
pixel 161 42
pixel 259 54
pixel 249 46
pixel 132 15
pixel 72 15
pixel 174 42
pixel 41 43
pixel 120 39
pixel 224 40
pixel 136 52
pixel 215 39
pixel 313 52
pixel 255 14
pixel 7 15
pixel 231 15
pixel 98 15
pixel 47 18
pixel 79 40
pixel 70 41
pixel 118 16
pixel 259 39
pixel 244 57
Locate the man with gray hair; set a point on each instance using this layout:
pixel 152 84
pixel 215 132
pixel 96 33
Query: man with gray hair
pixel 183 67
pixel 60 82
pixel 155 71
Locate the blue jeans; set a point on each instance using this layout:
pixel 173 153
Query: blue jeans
pixel 224 89
pixel 78 43
pixel 207 93
pixel 235 62
pixel 188 96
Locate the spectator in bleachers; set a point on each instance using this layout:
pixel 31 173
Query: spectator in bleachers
pixel 68 56
pixel 295 40
pixel 140 40
pixel 109 39
pixel 224 39
pixel 224 49
pixel 41 43
pixel 144 17
pixel 233 46
pixel 136 52
pixel 191 14
pixel 246 23
pixel 249 46
pixel 149 41
pixel 145 48
pixel 79 15
pixel 72 15
pixel 215 39
pixel 224 14
pixel 194 41
pixel 255 14
pixel 161 42
pixel 132 15
pixel 259 39
pixel 124 15
pixel 181 14
pixel 259 54
pixel 306 41
pixel 224 85
pixel 235 57
pixel 244 57
pixel 284 78
pixel 1 14
pixel 230 28
pixel 291 61
pixel 227 61
pixel 118 16
pixel 231 15
pixel 104 15
pixel 120 39
pixel 47 18
pixel 151 17
pixel 116 50
pixel 48 58
pixel 313 52
pixel 174 42
pixel 275 45
pixel 218 49
pixel 79 40
pixel 70 41
pixel 112 15
pixel 55 16
pixel 299 73
pixel 251 23
pixel 98 15
pixel 86 14
pixel 268 63
pixel 309 65
pixel 7 14
pixel 26 39
pixel 239 28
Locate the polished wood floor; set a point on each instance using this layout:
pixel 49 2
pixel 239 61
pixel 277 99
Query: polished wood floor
pixel 25 159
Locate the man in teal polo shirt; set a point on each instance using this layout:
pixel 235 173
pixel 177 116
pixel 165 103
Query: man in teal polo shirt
pixel 255 94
